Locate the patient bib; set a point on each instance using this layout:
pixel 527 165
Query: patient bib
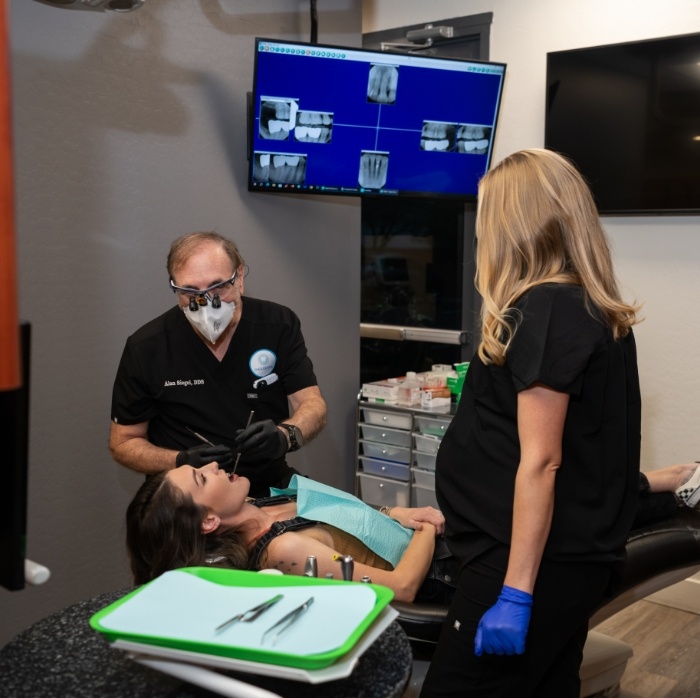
pixel 382 535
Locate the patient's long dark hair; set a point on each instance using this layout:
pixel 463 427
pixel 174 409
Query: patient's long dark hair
pixel 163 532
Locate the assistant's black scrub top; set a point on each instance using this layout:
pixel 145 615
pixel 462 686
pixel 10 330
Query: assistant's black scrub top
pixel 559 344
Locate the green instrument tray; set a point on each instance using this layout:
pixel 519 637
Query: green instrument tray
pixel 221 648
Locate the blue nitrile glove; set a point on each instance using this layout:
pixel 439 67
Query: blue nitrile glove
pixel 503 628
pixel 261 441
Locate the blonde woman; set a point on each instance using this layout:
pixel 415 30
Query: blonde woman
pixel 538 474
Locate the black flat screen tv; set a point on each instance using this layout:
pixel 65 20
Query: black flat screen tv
pixel 628 115
pixel 347 121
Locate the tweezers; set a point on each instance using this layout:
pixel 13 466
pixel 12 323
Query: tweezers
pixel 285 622
pixel 251 614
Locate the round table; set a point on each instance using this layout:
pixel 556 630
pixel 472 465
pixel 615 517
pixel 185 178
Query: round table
pixel 62 655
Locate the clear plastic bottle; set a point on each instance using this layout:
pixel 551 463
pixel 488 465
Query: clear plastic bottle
pixel 409 390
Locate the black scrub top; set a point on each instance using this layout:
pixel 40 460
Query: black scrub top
pixel 559 344
pixel 169 377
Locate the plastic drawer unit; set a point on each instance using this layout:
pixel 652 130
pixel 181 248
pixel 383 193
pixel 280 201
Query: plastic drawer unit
pixel 385 468
pixel 426 461
pixel 399 454
pixel 382 492
pixel 423 489
pixel 393 420
pixel 427 444
pixel 432 426
pixel 423 478
pixel 396 452
pixel 423 497
pixel 382 435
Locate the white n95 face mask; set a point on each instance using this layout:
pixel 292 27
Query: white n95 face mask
pixel 211 321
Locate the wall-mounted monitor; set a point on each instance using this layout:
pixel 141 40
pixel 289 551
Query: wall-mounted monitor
pixel 628 115
pixel 347 121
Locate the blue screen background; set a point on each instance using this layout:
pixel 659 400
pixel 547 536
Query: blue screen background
pixel 339 86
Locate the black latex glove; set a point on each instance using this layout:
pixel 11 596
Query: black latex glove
pixel 197 456
pixel 261 441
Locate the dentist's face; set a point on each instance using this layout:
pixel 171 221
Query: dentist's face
pixel 208 266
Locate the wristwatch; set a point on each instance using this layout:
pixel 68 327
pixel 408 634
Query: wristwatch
pixel 296 438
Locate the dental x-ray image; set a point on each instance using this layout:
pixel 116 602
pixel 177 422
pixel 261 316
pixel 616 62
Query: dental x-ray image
pixel 277 118
pixel 373 170
pixel 314 127
pixel 438 136
pixel 473 139
pixel 279 168
pixel 382 84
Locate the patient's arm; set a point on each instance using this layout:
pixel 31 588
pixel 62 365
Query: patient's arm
pixel 288 553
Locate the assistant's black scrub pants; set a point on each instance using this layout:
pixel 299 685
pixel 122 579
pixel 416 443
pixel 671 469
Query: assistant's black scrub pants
pixel 565 596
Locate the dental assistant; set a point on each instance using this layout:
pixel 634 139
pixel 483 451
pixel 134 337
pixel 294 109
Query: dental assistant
pixel 538 473
pixel 189 380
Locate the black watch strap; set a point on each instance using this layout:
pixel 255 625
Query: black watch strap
pixel 296 439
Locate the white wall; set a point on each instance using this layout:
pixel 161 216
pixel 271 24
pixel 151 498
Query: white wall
pixel 657 258
pixel 130 130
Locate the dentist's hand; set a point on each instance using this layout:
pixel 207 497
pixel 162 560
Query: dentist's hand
pixel 197 456
pixel 261 441
pixel 503 628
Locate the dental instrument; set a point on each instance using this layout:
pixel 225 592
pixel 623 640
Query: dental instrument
pixel 251 614
pixel 199 436
pixel 287 621
pixel 238 455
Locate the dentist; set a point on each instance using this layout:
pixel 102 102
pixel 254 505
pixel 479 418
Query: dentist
pixel 189 380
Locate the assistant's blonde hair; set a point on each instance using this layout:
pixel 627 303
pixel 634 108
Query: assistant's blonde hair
pixel 537 223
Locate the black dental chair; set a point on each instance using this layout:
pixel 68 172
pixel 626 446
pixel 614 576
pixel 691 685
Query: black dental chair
pixel 658 555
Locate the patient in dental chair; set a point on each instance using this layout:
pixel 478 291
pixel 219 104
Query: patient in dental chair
pixel 203 516
pixel 191 517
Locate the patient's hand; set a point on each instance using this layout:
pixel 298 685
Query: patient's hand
pixel 415 517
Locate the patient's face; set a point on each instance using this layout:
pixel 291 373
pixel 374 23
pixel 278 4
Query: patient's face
pixel 221 493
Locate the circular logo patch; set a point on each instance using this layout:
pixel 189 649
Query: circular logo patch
pixel 262 363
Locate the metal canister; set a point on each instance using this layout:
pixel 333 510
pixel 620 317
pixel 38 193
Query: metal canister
pixel 311 567
pixel 347 567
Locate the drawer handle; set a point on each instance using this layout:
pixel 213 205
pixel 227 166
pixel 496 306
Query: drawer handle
pixel 384 435
pixel 384 418
pixel 381 485
pixel 384 468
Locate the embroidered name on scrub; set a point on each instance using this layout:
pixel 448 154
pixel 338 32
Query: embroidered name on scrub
pixel 184 384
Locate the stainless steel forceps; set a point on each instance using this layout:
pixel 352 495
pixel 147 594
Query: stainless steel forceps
pixel 283 623
pixel 251 614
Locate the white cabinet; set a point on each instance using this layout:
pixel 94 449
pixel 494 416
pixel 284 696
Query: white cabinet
pixel 396 451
